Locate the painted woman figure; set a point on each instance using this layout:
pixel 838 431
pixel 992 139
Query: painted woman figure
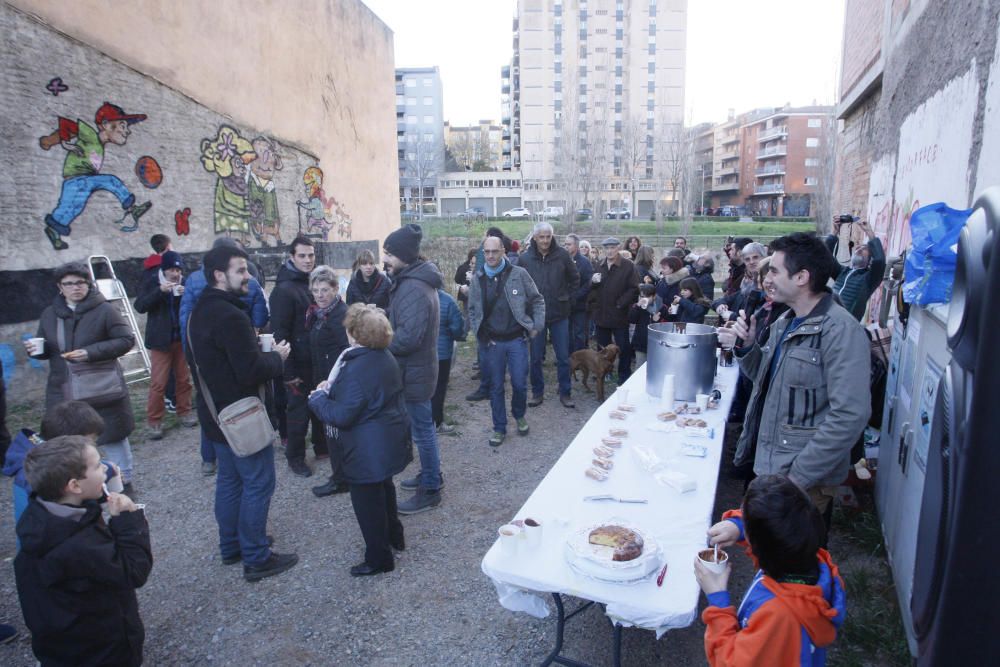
pixel 228 156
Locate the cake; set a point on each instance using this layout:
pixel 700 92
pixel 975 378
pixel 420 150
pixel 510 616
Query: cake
pixel 627 544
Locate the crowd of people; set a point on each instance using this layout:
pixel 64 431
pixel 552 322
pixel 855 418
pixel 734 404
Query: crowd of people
pixel 365 378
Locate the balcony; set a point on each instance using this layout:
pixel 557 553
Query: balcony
pixel 505 89
pixel 781 149
pixel 720 186
pixel 722 156
pixel 772 133
pixel 728 171
pixel 770 170
pixel 769 189
pixel 731 139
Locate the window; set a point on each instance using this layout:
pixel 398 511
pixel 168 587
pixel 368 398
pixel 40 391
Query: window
pixel 812 162
pixel 815 122
pixel 652 49
pixel 428 101
pixel 812 142
pixel 429 120
pixel 400 100
pixel 428 83
pixel 411 120
pixel 411 101
pixel 601 31
pixel 651 68
pixel 411 156
pixel 428 136
pixel 811 180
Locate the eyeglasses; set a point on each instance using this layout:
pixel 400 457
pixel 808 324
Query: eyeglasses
pixel 73 283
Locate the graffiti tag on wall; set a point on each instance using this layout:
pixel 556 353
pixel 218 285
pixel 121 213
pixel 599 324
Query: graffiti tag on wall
pixel 322 214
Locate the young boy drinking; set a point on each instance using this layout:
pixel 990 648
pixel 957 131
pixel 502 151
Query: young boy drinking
pixel 76 575
pixel 796 601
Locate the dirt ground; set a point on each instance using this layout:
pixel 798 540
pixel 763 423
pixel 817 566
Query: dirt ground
pixel 436 608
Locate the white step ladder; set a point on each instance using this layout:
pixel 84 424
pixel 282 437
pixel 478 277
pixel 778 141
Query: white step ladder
pixel 135 363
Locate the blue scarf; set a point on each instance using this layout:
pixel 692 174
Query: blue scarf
pixel 493 273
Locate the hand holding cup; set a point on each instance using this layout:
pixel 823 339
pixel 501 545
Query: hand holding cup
pixel 283 349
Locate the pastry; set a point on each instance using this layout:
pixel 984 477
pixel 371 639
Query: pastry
pixel 666 416
pixel 694 410
pixel 619 432
pixel 604 452
pixel 627 544
pixel 612 442
pixel 614 414
pixel 597 473
pixel 625 407
pixel 603 464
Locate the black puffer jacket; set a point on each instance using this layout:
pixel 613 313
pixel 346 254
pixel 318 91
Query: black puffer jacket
pixel 76 580
pixel 415 314
pixel 289 302
pixel 99 328
pixel 327 339
pixel 556 277
pixel 610 299
pixel 374 291
pixel 228 356
pixel 162 312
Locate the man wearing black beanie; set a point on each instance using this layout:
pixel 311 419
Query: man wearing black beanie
pixel 414 313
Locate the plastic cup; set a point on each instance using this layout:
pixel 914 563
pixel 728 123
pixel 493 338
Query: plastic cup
pixel 707 558
pixel 37 345
pixel 533 533
pixel 266 342
pixel 701 400
pixel 509 535
pixel 176 289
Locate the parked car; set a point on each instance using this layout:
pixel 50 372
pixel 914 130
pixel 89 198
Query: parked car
pixel 476 213
pixel 730 211
pixel 519 212
pixel 618 214
pixel 584 214
pixel 552 212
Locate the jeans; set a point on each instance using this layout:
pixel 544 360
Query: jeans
pixel 498 357
pixel 243 489
pixel 165 362
pixel 484 377
pixel 77 190
pixel 603 335
pixel 120 453
pixel 437 400
pixel 579 330
pixel 425 438
pixel 558 331
pixel 207 448
pixel 375 509
pixel 299 417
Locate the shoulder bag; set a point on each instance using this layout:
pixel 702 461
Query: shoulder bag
pixel 97 383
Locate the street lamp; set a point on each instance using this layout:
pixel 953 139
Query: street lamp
pixel 701 174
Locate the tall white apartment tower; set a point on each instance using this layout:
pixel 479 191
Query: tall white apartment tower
pixel 592 96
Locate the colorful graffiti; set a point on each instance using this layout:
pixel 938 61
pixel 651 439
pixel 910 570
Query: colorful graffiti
pixel 148 171
pixel 265 223
pixel 182 221
pixel 322 213
pixel 84 146
pixel 56 86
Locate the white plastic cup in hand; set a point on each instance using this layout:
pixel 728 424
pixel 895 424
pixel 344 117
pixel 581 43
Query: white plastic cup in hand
pixel 266 342
pixel 509 537
pixel 701 400
pixel 176 289
pixel 727 337
pixel 37 345
pixel 707 558
pixel 596 279
pixel 468 276
pixel 673 309
pixel 533 533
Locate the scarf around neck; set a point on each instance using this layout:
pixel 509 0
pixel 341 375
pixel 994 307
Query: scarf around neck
pixel 493 273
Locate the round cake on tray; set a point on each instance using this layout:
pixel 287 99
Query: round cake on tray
pixel 627 544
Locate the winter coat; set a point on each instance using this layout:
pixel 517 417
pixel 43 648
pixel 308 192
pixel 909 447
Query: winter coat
pixel 99 328
pixel 778 623
pixel 816 404
pixel 255 303
pixel 451 327
pixel 13 463
pixel 523 298
pixel 691 312
pixel 642 318
pixel 366 405
pixel 738 301
pixel 734 279
pixel 76 581
pixel 415 315
pixel 611 298
pixel 460 279
pixel 856 286
pixel 290 299
pixel 578 299
pixel 705 281
pixel 670 286
pixel 228 356
pixel 375 291
pixel 162 313
pixel 556 277
pixel 327 339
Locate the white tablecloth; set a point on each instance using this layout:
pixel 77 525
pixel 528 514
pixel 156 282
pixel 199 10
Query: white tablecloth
pixel 677 521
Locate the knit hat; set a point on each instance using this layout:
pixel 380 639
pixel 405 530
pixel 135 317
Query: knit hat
pixel 404 243
pixel 171 260
pixel 741 241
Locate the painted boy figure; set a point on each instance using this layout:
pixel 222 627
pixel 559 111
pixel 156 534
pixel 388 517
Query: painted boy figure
pixel 81 169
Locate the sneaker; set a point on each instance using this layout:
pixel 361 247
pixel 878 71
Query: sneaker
pixel 155 431
pixel 567 401
pixel 8 633
pixel 330 488
pixel 189 420
pixel 275 564
pixel 497 438
pixel 208 468
pixel 477 396
pixel 237 557
pixel 535 401
pixel 414 483
pixel 299 467
pixel 365 570
pixel 522 426
pixel 169 406
pixel 446 429
pixel 421 501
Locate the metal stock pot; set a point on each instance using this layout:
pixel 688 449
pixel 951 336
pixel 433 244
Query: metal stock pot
pixel 687 351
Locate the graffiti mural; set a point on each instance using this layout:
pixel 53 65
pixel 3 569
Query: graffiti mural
pixel 56 86
pixel 227 156
pixel 262 200
pixel 182 221
pixel 148 171
pixel 84 146
pixel 321 213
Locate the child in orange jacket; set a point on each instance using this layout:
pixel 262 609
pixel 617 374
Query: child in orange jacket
pixel 796 602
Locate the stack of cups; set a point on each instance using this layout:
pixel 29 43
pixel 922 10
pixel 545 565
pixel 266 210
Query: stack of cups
pixel 667 392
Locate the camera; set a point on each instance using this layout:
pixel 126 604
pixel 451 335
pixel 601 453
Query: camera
pixel 846 218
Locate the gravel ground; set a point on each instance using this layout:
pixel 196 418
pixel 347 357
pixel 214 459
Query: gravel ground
pixel 436 608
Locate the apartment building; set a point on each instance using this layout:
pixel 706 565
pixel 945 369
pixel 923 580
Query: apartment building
pixel 593 92
pixel 419 135
pixel 477 147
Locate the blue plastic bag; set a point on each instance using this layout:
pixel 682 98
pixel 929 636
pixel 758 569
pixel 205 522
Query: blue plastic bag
pixel 930 265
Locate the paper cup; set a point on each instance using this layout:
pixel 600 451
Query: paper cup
pixel 37 345
pixel 509 534
pixel 266 342
pixel 707 558
pixel 533 533
pixel 176 289
pixel 701 400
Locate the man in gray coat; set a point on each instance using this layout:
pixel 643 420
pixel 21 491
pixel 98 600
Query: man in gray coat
pixel 811 395
pixel 414 313
pixel 505 310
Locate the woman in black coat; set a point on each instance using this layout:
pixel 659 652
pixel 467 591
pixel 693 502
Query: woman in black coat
pixel 368 285
pixel 364 401
pixel 92 330
pixel 327 340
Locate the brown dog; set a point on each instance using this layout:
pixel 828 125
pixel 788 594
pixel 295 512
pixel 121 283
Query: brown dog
pixel 599 362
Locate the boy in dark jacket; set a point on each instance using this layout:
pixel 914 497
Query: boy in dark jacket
pixel 648 310
pixel 76 575
pixel 160 298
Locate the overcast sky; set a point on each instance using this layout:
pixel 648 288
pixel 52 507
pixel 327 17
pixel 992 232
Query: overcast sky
pixel 741 54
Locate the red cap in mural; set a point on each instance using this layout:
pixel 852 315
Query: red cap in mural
pixel 109 112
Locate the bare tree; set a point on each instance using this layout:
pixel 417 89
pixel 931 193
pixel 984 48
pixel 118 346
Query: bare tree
pixel 422 164
pixel 462 148
pixel 674 162
pixel 633 157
